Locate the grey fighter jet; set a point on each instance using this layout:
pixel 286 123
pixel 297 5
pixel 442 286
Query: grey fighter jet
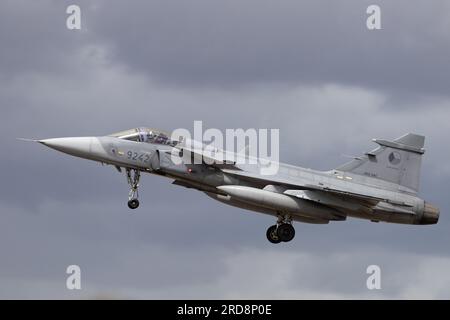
pixel 381 185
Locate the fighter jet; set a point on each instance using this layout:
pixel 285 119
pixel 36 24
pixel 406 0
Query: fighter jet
pixel 380 185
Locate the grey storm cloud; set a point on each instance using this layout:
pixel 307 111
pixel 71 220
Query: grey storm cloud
pixel 34 38
pixel 309 68
pixel 231 43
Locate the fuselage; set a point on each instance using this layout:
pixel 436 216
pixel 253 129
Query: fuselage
pixel 273 195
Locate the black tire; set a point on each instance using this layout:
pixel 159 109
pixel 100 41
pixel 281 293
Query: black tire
pixel 272 235
pixel 285 232
pixel 133 204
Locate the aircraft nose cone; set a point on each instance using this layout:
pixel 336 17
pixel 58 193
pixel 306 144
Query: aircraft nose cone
pixel 77 146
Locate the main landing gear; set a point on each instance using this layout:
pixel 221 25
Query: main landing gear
pixel 283 231
pixel 133 177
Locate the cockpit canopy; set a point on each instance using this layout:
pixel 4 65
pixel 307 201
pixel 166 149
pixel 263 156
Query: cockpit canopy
pixel 146 135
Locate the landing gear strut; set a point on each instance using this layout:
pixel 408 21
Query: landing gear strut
pixel 133 181
pixel 283 231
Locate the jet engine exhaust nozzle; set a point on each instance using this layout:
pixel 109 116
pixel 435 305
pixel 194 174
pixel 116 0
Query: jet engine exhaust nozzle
pixel 430 214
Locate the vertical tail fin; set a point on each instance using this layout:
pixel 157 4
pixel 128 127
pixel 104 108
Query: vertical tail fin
pixel 397 161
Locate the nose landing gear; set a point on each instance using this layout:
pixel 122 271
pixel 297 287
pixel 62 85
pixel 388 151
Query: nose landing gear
pixel 133 181
pixel 283 231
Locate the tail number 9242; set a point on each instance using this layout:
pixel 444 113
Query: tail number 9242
pixel 138 157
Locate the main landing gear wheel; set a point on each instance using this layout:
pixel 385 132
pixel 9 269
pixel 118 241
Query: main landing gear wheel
pixel 283 231
pixel 272 235
pixel 133 181
pixel 286 232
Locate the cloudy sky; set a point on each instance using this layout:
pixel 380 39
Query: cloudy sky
pixel 309 68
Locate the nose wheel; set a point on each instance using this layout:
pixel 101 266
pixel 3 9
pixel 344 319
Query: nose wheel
pixel 283 231
pixel 133 203
pixel 133 177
